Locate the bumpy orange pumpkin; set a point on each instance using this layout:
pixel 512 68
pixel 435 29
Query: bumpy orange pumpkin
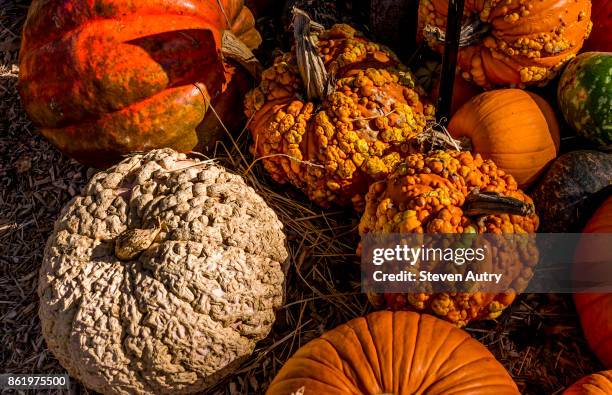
pixel 104 78
pixel 333 148
pixel 516 129
pixel 399 353
pixel 511 43
pixel 594 384
pixel 428 193
pixel 594 309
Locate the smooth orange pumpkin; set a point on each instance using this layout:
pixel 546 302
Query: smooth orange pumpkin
pixel 594 384
pixel 104 78
pixel 516 129
pixel 397 353
pixel 594 309
pixel 511 43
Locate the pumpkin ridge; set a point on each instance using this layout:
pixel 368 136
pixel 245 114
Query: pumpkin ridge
pixel 333 384
pixel 359 384
pixel 378 358
pixel 449 330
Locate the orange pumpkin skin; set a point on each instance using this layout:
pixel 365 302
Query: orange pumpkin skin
pixel 594 384
pixel 528 41
pixel 105 78
pixel 594 309
pixel 397 353
pixel 514 128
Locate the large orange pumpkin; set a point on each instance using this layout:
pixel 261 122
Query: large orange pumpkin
pixel 594 384
pixel 397 353
pixel 511 43
pixel 107 77
pixel 594 309
pixel 516 129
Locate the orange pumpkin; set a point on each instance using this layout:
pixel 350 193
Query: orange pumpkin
pixel 514 128
pixel 594 309
pixel 511 43
pixel 397 353
pixel 108 77
pixel 595 384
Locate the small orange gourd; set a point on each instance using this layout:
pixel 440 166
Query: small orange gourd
pixel 516 129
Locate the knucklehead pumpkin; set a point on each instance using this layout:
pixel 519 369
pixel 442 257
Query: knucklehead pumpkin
pixel 334 114
pixel 511 43
pixel 441 192
pixel 105 78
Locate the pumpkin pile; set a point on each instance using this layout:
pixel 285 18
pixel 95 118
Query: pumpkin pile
pixel 164 273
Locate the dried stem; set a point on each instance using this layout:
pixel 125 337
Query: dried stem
pixel 233 48
pixel 490 203
pixel 314 76
pixel 472 32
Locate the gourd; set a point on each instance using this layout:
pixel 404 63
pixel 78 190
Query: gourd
pixel 438 192
pixel 585 96
pixel 343 121
pixel 161 277
pixel 570 188
pixel 105 78
pixel 514 128
pixel 594 309
pixel 594 384
pixel 398 353
pixel 512 44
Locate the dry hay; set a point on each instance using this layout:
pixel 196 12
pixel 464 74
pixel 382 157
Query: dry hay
pixel 538 339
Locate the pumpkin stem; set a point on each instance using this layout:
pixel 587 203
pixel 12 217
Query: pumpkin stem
pixel 491 203
pixel 312 69
pixel 472 32
pixel 132 242
pixel 233 48
pixel 437 137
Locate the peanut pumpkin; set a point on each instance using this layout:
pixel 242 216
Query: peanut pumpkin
pixel 428 193
pixel 514 128
pixel 594 384
pixel 511 43
pixel 594 309
pixel 105 78
pixel 333 143
pixel 398 353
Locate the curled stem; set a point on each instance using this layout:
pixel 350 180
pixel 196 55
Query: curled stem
pixel 312 69
pixel 491 203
